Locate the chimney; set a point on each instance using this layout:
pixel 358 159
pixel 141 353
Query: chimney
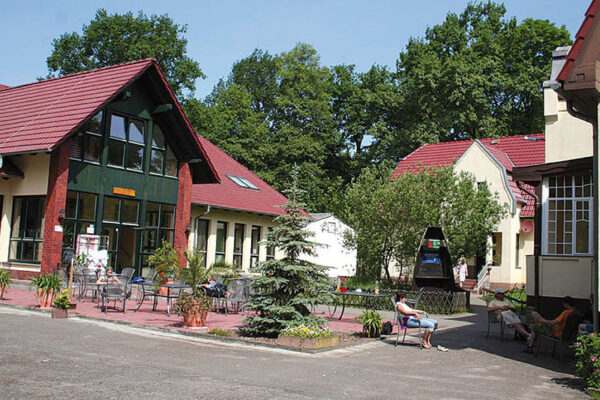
pixel 559 56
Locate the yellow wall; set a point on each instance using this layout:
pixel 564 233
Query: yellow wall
pixel 561 276
pixel 35 183
pixel 567 137
pixel 479 163
pixel 231 217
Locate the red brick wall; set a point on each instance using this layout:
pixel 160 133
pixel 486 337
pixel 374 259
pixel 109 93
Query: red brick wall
pixel 55 201
pixel 183 210
pixel 22 275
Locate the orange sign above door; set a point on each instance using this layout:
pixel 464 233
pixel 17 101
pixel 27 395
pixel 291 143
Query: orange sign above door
pixel 124 192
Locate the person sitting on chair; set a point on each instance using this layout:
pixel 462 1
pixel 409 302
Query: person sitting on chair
pixel 415 320
pixel 505 311
pixel 550 327
pixel 108 278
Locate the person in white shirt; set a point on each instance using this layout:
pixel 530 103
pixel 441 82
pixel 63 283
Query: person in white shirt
pixel 415 320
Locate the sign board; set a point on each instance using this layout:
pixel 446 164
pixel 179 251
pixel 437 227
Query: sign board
pixel 124 191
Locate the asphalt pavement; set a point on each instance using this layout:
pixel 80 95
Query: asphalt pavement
pixel 44 358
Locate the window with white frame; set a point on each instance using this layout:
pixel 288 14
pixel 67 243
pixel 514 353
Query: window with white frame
pixel 568 215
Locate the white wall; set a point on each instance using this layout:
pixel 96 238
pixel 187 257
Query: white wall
pixel 329 233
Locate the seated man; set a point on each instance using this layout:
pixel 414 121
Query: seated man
pixel 550 327
pixel 506 311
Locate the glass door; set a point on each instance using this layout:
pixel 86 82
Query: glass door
pixel 120 224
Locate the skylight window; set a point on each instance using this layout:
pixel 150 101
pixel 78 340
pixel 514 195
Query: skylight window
pixel 243 182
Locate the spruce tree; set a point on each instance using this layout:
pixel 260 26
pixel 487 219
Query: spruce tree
pixel 285 287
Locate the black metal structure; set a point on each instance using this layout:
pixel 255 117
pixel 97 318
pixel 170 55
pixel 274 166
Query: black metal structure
pixel 433 267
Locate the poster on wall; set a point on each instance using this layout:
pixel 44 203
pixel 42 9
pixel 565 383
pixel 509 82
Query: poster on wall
pixel 94 248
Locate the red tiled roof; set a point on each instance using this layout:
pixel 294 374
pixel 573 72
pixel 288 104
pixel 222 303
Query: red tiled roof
pixel 509 151
pixel 2 87
pixel 229 194
pixel 590 14
pixel 38 116
pixel 528 209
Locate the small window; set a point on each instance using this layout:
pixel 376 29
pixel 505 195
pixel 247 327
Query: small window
pixel 221 239
pixel 243 182
pixel 86 144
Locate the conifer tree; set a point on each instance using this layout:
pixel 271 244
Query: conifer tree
pixel 285 287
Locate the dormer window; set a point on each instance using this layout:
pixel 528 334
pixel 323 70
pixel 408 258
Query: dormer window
pixel 243 182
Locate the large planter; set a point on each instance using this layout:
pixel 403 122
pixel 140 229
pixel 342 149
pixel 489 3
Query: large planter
pixel 45 297
pixel 163 291
pixel 2 290
pixel 307 344
pixel 60 313
pixel 195 319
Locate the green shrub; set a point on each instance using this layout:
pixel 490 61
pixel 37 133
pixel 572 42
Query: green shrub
pixel 308 332
pixel 219 332
pixel 372 323
pixel 4 278
pixel 62 301
pixel 587 356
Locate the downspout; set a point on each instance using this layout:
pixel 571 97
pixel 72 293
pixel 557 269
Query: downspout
pixel 595 282
pixel 537 245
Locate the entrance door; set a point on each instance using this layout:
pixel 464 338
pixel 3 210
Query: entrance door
pixel 120 223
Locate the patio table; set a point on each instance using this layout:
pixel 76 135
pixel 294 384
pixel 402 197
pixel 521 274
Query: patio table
pixel 368 300
pixel 145 292
pixel 169 296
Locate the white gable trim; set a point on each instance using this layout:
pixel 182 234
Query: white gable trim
pixel 513 208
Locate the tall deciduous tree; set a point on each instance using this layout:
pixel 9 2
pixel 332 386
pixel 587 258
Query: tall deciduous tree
pixel 390 216
pixel 116 38
pixel 478 74
pixel 286 286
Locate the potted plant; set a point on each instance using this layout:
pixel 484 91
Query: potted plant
pixel 193 307
pixel 371 322
pixel 4 282
pixel 46 286
pixel 61 304
pixel 166 264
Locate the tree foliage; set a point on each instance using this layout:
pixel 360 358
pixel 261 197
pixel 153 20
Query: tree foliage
pixel 116 38
pixel 285 287
pixel 390 216
pixel 478 74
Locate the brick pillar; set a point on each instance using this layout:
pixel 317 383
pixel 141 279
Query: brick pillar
pixel 183 210
pixel 56 199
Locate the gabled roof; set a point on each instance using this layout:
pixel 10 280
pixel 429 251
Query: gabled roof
pixel 38 116
pixel 508 151
pixel 230 195
pixel 41 115
pixel 580 37
pixel 2 87
pixel 320 216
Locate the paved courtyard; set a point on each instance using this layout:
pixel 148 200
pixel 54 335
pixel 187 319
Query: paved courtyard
pixel 46 358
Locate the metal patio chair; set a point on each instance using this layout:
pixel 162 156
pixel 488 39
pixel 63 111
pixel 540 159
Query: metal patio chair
pixel 401 320
pixel 117 291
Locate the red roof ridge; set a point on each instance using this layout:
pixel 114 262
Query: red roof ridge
pixel 580 36
pixel 87 71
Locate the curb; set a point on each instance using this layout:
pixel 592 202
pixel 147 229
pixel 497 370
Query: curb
pixel 202 335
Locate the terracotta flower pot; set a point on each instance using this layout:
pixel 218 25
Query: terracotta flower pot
pixel 41 295
pixel 49 298
pixel 2 290
pixel 163 291
pixel 195 320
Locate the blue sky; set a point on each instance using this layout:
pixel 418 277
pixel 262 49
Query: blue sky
pixel 221 32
